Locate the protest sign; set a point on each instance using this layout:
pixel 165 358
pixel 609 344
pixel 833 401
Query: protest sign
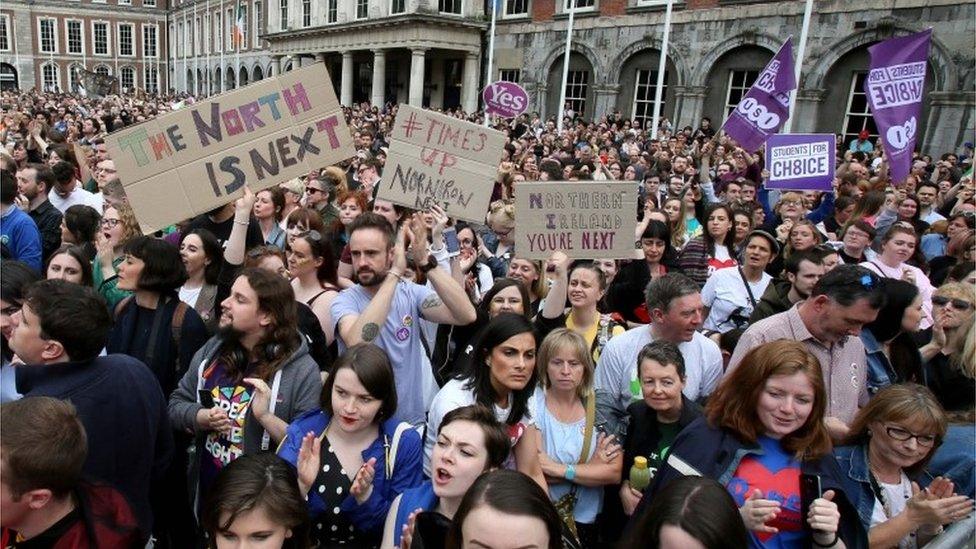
pixel 894 88
pixel 437 159
pixel 585 220
pixel 801 161
pixel 505 99
pixel 766 106
pixel 192 160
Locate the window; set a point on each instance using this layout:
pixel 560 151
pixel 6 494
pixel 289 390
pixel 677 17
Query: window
pixel 398 6
pixel 576 86
pixel 516 7
pixel 149 44
pixel 283 14
pixel 126 36
pixel 125 2
pixel 739 84
pixel 149 3
pixel 51 78
pixel 509 75
pixel 645 88
pixel 197 36
pixel 229 28
pixel 128 80
pixel 858 116
pixel 75 42
pixel 332 12
pixel 207 44
pixel 362 9
pixel 151 78
pixel 244 29
pixel 306 13
pixel 257 24
pixel 581 5
pixel 217 36
pixel 48 36
pixel 450 6
pixel 102 70
pixel 74 76
pixel 101 38
pixel 4 33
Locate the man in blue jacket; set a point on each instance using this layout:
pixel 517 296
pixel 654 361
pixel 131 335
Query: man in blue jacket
pixel 18 234
pixel 58 334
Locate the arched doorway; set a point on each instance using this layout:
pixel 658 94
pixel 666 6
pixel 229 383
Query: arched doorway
pixel 189 81
pixel 258 73
pixel 730 77
pixel 8 77
pixel 231 80
pixel 579 85
pixel 638 87
pixel 243 76
pixel 215 82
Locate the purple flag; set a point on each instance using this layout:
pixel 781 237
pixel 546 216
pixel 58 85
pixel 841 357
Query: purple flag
pixel 801 161
pixel 766 105
pixel 894 88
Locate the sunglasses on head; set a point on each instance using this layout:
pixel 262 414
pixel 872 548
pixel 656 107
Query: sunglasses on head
pixel 960 304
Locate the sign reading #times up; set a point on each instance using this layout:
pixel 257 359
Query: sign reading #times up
pixel 437 159
pixel 801 161
pixel 587 220
pixel 192 160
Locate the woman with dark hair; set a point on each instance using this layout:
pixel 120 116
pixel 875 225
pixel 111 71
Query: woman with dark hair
pixel 201 254
pixel 689 512
pixel 352 454
pixel 268 206
pixel 506 498
pixel 903 211
pixel 625 296
pixel 763 427
pixel 312 265
pixel 301 221
pixel 713 250
pixel 501 376
pixel 890 442
pixel 69 263
pixel 256 498
pixel 470 442
pixel 897 247
pixel 15 277
pixel 79 226
pixel 478 277
pixel 892 354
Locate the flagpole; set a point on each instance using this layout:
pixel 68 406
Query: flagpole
pixel 185 33
pixel 661 66
pixel 491 51
pixel 800 52
pixel 562 89
pixel 223 44
pixel 240 35
pixel 196 54
pixel 208 45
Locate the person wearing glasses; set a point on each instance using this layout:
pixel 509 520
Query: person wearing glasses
pixel 320 192
pixel 891 441
pixel 118 226
pixel 368 175
pixel 950 368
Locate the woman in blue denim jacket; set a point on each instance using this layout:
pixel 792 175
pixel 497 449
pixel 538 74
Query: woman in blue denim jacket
pixel 353 459
pixel 890 442
pixel 892 354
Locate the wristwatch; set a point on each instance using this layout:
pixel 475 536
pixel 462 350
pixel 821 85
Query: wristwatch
pixel 429 266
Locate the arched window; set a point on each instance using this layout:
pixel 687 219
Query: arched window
pixel 103 70
pixel 128 80
pixel 51 77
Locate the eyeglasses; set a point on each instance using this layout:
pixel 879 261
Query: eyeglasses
pixel 960 304
pixel 791 203
pixel 903 435
pixel 313 190
pixel 111 223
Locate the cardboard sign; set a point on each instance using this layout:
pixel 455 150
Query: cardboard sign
pixel 437 159
pixel 505 99
pixel 801 161
pixel 195 159
pixel 584 220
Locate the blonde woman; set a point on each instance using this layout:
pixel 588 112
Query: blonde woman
pixel 950 358
pixel 497 245
pixel 118 225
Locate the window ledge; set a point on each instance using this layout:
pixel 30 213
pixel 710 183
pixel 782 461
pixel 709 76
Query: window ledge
pixel 579 13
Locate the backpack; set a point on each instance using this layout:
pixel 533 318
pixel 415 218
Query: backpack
pixel 175 326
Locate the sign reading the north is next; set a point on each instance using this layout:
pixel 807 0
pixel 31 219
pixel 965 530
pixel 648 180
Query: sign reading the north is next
pixel 193 160
pixel 438 159
pixel 505 99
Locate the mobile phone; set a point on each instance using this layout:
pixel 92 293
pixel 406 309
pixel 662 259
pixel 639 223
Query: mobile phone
pixel 810 489
pixel 206 398
pixel 430 530
pixel 451 241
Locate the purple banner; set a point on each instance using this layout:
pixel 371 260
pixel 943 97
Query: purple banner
pixel 766 106
pixel 800 161
pixel 894 86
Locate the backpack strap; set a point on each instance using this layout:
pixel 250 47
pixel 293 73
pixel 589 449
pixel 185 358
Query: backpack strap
pixel 176 326
pixel 121 305
pixel 392 451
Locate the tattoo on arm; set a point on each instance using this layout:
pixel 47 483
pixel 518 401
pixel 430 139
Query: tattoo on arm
pixel 430 302
pixel 370 332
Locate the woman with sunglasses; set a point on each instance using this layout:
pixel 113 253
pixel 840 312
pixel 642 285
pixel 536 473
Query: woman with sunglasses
pixel 890 442
pixel 950 369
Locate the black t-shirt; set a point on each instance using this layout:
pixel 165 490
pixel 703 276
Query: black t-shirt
pixel 222 230
pixel 951 386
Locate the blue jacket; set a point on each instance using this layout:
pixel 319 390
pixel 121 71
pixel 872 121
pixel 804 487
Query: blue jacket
pixel 715 453
pixel 418 497
pixel 880 372
pixel 19 234
pixel 407 469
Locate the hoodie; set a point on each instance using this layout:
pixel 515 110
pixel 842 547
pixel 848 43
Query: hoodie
pixel 774 300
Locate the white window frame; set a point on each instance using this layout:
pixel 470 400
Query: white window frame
pixel 729 106
pixel 306 14
pixel 332 11
pixel 108 69
pixel 564 6
pixel 125 2
pixel 247 26
pixel 643 3
pixel 256 25
pixel 865 116
pixel 651 84
pixel 118 36
pixel 570 84
pixel 145 43
pixel 147 70
pixel 67 36
pixel 149 3
pixel 506 74
pixel 459 13
pixel 218 35
pixel 70 68
pixel 229 28
pixel 5 21
pixel 356 7
pixel 54 35
pixel 283 9
pixel 135 78
pixel 108 38
pixel 507 14
pixel 207 29
pixel 57 75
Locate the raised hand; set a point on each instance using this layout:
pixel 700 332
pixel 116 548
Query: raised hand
pixel 756 512
pixel 406 535
pixel 261 400
pixel 309 459
pixel 362 485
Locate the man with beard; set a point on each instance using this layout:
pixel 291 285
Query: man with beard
pixel 249 381
pixel 803 271
pixel 384 307
pixel 33 183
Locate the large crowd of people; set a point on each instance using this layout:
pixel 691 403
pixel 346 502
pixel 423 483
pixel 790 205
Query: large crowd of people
pixel 312 366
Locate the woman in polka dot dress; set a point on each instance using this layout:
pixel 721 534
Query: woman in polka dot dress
pixel 352 459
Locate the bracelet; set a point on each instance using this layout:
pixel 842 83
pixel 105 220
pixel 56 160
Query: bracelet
pixel 396 274
pixel 570 473
pixel 244 223
pixel 832 543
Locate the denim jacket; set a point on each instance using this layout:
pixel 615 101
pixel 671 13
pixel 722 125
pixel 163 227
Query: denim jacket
pixel 880 372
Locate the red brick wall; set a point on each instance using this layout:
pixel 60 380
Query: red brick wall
pixel 701 4
pixel 543 10
pixel 612 7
